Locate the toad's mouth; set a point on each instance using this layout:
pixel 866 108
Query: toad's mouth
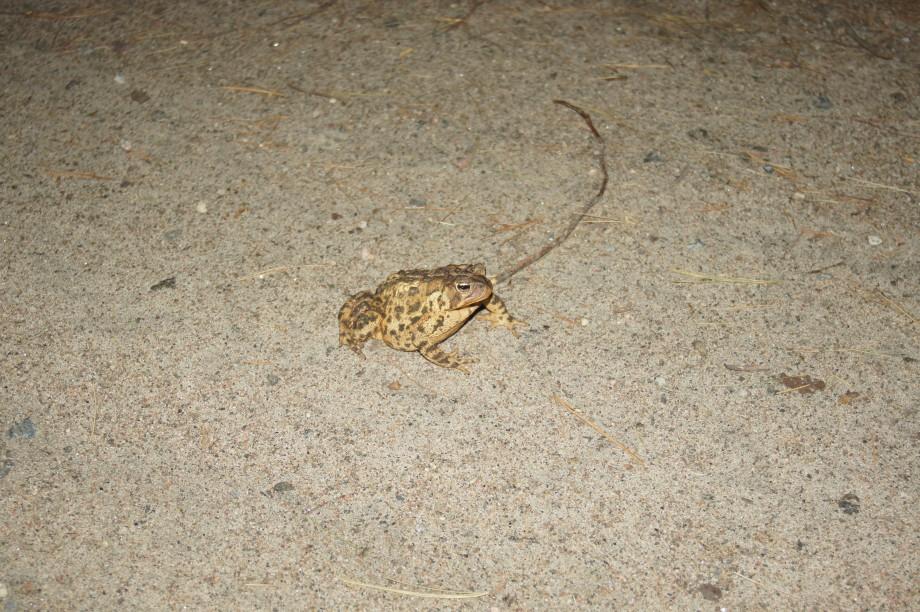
pixel 478 293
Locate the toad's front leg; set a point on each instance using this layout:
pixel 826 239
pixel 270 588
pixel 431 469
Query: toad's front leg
pixel 453 360
pixel 500 317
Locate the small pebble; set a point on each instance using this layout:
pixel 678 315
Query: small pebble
pixel 120 78
pixel 584 322
pixel 849 503
pixel 202 207
pixel 5 467
pixel 700 347
pixel 166 283
pixel 875 240
pixel 660 381
pixel 22 429
pixel 823 102
pixel 696 245
pixel 140 96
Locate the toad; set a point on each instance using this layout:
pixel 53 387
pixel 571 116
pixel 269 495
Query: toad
pixel 416 310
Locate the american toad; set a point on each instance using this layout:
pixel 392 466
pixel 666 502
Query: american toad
pixel 415 310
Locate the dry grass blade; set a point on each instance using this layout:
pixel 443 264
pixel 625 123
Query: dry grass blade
pixel 64 15
pixel 853 349
pixel 263 273
pixel 255 90
pixel 338 96
pixel 90 176
pixel 454 22
pixel 722 206
pixel 791 389
pixel 292 20
pixel 588 219
pixel 635 66
pixel 698 277
pixel 884 299
pixel 431 208
pixel 590 423
pixel 879 185
pixel 748 367
pixel 438 594
pixel 511 227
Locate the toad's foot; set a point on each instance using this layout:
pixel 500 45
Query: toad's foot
pixel 355 345
pixel 503 319
pixel 500 317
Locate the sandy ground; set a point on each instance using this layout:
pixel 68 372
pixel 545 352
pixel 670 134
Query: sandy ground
pixel 715 403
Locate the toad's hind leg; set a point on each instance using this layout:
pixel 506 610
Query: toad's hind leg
pixel 358 319
pixel 500 317
pixel 453 360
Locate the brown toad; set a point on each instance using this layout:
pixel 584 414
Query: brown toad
pixel 415 310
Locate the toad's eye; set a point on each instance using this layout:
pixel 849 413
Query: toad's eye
pixel 463 286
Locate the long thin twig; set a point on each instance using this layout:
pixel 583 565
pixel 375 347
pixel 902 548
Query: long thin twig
pixel 602 162
pixel 862 42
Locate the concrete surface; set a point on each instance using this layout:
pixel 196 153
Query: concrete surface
pixel 190 191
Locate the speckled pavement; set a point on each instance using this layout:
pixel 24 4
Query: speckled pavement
pixel 715 403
